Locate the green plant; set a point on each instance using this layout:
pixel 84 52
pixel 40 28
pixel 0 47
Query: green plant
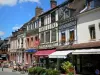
pixel 68 67
pixel 52 72
pixel 30 70
pixel 42 71
pixel 49 72
pixel 39 70
pixel 56 72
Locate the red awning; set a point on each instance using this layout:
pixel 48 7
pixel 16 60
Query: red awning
pixel 44 52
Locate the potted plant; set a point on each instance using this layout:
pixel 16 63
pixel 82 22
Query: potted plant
pixel 68 67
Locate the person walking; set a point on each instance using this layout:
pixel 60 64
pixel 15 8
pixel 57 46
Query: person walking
pixel 2 66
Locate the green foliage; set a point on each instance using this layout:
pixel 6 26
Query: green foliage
pixel 42 71
pixel 31 70
pixel 68 67
pixel 56 72
pixel 39 70
pixel 52 72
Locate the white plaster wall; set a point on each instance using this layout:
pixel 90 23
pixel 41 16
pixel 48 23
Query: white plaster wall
pixel 83 23
pixel 83 31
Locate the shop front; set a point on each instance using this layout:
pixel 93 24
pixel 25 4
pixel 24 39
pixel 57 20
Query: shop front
pixel 86 61
pixel 42 57
pixel 29 56
pixel 3 57
pixel 60 57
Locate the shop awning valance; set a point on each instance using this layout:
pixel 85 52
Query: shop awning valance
pixel 86 51
pixel 31 50
pixel 60 54
pixel 44 52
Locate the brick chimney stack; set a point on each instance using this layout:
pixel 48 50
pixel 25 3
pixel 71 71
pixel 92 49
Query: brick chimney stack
pixel 38 11
pixel 53 3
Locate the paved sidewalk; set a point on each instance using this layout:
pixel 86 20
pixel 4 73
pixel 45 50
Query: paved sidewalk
pixel 10 70
pixel 7 70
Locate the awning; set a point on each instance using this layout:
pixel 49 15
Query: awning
pixel 3 55
pixel 44 52
pixel 60 54
pixel 31 50
pixel 86 51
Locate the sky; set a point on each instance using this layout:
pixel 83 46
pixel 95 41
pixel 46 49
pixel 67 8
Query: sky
pixel 14 13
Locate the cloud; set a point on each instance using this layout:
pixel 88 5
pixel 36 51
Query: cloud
pixel 1 33
pixel 16 27
pixel 8 2
pixel 37 1
pixel 14 2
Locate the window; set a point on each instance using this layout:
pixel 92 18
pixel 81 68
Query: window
pixel 48 36
pixel 72 36
pixel 63 38
pixel 22 42
pixel 42 37
pixel 33 25
pixel 37 23
pixel 36 38
pixel 53 17
pixel 31 38
pixel 28 41
pixel 53 35
pixel 92 31
pixel 42 21
pixel 66 14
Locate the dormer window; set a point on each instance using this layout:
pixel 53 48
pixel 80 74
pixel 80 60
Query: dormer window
pixel 66 14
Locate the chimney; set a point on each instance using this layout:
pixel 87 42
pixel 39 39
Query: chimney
pixel 38 11
pixel 53 3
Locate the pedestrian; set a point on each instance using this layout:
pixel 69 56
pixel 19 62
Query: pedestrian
pixel 2 66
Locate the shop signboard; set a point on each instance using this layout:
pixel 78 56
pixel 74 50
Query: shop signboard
pixel 3 56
